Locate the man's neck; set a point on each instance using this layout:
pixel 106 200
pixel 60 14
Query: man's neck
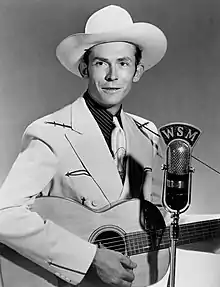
pixel 112 110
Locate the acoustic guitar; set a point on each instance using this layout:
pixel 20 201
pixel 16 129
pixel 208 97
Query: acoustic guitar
pixel 121 228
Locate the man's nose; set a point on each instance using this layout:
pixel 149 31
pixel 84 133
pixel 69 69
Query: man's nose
pixel 112 73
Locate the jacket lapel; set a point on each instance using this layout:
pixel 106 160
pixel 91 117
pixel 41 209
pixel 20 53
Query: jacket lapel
pixel 139 157
pixel 138 146
pixel 91 147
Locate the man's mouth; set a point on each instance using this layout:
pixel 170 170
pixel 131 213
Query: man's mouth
pixel 111 89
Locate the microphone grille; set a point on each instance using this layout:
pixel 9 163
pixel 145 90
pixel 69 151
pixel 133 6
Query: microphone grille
pixel 178 157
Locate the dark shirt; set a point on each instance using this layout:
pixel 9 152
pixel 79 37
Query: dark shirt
pixel 103 118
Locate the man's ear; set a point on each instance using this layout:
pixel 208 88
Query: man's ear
pixel 139 72
pixel 83 69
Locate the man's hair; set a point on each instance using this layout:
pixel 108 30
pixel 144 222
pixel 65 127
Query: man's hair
pixel 138 55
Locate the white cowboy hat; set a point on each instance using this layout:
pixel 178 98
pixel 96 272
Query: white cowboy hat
pixel 113 24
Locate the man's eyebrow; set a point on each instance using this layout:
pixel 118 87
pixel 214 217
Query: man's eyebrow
pixel 126 58
pixel 100 59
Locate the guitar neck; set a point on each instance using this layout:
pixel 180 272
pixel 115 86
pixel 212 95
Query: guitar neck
pixel 142 242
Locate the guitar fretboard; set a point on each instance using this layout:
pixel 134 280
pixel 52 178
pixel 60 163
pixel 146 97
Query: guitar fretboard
pixel 145 241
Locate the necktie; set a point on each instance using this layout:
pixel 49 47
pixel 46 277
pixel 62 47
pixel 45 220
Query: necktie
pixel 118 144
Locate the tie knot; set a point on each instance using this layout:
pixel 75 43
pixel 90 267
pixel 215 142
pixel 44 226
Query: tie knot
pixel 116 122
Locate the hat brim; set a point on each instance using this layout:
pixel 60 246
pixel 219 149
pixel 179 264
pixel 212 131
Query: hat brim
pixel 148 37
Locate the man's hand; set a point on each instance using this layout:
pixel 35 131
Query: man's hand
pixel 114 268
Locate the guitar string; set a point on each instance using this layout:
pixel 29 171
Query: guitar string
pixel 165 239
pixel 136 247
pixel 186 228
pixel 187 231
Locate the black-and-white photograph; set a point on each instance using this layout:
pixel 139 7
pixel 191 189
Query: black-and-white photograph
pixel 109 146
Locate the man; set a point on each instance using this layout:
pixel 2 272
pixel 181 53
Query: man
pixel 90 151
pixel 70 153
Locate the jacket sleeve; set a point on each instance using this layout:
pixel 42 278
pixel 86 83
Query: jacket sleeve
pixel 45 243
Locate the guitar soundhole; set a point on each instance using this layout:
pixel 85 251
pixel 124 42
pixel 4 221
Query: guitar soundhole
pixel 111 240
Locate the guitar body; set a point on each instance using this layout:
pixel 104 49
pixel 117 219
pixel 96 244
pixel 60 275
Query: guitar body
pixel 108 227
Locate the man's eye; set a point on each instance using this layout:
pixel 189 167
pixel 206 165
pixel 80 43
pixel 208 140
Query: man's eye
pixel 99 63
pixel 124 64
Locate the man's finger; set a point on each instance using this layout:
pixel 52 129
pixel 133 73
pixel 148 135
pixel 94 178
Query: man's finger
pixel 129 275
pixel 128 263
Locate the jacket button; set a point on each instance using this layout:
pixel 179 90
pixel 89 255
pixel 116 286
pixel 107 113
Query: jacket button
pixel 94 203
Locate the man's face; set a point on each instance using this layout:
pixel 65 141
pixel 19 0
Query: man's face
pixel 111 72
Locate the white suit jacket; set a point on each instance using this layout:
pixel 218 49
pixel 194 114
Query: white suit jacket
pixel 65 154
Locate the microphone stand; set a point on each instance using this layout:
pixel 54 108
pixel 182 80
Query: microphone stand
pixel 174 235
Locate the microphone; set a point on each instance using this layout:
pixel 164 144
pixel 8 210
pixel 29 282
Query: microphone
pixel 176 195
pixel 180 139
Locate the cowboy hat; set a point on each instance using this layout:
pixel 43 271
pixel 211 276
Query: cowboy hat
pixel 112 24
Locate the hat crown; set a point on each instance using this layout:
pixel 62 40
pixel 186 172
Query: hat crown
pixel 108 19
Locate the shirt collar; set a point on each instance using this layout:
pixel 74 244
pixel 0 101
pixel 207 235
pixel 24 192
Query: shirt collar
pixel 98 110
